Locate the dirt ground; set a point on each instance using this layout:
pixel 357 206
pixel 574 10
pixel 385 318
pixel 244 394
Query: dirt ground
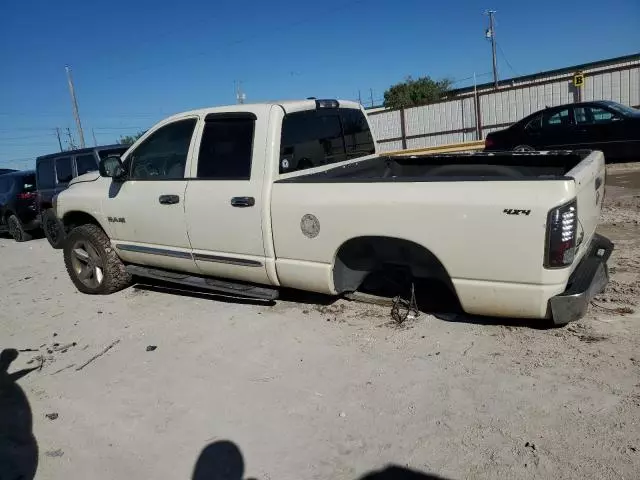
pixel 308 390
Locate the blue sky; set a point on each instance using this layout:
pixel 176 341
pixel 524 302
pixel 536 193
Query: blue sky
pixel 135 62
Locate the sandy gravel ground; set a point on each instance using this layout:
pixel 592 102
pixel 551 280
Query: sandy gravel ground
pixel 313 391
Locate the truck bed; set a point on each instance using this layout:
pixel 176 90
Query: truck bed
pixel 552 165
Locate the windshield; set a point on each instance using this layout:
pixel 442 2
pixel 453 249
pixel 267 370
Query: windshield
pixel 623 109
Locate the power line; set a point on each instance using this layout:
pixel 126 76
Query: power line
pixel 118 128
pixel 26 137
pixel 286 27
pixel 513 70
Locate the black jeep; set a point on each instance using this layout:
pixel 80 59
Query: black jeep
pixel 53 174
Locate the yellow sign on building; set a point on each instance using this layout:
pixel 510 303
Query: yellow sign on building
pixel 578 79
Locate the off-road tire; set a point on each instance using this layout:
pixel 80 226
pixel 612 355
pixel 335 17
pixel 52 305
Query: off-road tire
pixel 14 225
pixel 115 276
pixel 53 229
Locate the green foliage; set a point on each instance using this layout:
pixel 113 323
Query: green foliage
pixel 412 92
pixel 130 139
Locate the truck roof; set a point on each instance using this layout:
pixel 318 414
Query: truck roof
pixel 78 151
pixel 289 106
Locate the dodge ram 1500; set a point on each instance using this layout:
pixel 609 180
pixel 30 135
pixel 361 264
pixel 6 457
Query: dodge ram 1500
pixel 245 199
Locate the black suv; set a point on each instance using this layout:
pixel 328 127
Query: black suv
pixel 55 171
pixel 18 206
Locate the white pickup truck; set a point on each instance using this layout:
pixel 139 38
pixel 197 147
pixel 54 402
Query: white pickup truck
pixel 245 199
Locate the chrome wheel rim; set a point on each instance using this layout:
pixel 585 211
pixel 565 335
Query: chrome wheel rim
pixel 523 148
pixel 87 264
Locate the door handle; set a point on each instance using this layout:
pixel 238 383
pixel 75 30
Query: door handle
pixel 243 202
pixel 169 199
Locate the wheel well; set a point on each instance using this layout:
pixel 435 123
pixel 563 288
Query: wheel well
pixel 359 257
pixel 5 218
pixel 75 219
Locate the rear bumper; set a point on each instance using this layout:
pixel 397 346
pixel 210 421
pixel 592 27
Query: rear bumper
pixel 588 279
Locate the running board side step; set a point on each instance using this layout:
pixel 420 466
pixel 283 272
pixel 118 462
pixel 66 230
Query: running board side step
pixel 214 285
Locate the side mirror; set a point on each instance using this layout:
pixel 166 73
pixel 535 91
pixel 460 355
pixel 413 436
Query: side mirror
pixel 112 167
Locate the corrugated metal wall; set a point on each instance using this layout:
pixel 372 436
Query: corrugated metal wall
pixel 454 121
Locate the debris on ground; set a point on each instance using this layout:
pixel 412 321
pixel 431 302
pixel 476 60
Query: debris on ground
pixel 105 350
pixel 151 348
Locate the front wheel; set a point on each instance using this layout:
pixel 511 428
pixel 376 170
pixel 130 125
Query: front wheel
pixel 53 229
pixel 92 263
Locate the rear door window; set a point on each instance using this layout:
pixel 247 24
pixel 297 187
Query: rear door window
pixel 46 175
pixel 64 172
pixel 86 163
pixel 226 149
pixel 535 124
pixel 558 118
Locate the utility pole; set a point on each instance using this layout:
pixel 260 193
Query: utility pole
pixel 359 98
pixel 74 104
pixel 476 106
pixel 95 142
pixel 371 94
pixel 240 96
pixel 71 144
pixel 491 33
pixel 59 141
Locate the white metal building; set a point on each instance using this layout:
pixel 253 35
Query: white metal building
pixel 466 116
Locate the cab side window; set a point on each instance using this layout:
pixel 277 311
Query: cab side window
pixel 46 175
pixel 558 118
pixel 163 155
pixel 600 115
pixel 226 148
pixel 86 163
pixel 63 169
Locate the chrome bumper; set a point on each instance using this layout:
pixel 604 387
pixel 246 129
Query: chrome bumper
pixel 588 279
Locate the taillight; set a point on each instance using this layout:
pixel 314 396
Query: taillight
pixel 488 142
pixel 562 225
pixel 26 195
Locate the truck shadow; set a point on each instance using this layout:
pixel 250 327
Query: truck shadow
pixel 223 460
pixel 18 446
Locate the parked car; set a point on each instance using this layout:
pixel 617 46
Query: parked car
pixel 6 170
pixel 209 195
pixel 18 208
pixel 603 125
pixel 53 174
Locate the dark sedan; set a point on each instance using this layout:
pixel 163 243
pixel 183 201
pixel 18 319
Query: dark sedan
pixel 603 125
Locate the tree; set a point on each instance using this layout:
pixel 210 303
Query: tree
pixel 411 93
pixel 130 139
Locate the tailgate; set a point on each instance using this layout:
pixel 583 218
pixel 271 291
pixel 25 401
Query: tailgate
pixel 589 176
